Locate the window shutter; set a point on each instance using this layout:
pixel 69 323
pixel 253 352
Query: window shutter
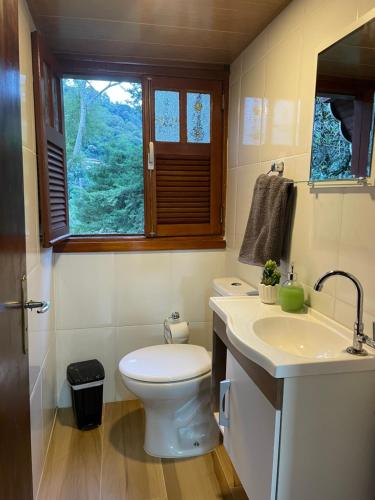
pixel 49 123
pixel 187 177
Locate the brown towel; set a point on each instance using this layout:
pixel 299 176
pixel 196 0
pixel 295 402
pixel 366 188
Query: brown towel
pixel 268 221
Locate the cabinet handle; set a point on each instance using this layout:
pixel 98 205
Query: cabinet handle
pixel 224 407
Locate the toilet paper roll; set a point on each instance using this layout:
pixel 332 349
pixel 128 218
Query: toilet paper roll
pixel 179 331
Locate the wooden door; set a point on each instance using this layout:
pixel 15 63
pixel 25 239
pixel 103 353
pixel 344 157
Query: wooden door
pixel 15 449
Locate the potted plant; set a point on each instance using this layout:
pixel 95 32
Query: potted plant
pixel 268 287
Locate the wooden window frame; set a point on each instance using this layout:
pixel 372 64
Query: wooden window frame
pixel 139 72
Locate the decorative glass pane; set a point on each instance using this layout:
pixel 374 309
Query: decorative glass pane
pixel 198 117
pixel 167 116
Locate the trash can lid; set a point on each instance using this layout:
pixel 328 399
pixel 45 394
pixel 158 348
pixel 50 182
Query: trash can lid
pixel 84 372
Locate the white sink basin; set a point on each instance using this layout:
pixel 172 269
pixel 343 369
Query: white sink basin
pixel 300 337
pixel 285 344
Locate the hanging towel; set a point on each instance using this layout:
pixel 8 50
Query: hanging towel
pixel 268 220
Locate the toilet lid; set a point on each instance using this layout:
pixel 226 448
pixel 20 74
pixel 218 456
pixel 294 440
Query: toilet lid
pixel 166 363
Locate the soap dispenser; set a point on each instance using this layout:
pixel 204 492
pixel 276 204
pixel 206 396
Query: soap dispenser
pixel 291 294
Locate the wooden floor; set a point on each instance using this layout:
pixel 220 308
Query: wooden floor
pixel 109 463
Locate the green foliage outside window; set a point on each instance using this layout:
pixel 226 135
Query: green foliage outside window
pixel 103 129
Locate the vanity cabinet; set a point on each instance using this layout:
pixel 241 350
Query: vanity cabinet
pixel 300 438
pixel 252 435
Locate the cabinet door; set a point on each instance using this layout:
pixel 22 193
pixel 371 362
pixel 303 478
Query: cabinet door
pixel 252 435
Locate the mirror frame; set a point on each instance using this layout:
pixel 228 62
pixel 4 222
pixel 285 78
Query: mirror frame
pixel 328 42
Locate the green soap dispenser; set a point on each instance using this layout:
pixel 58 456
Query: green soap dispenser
pixel 291 295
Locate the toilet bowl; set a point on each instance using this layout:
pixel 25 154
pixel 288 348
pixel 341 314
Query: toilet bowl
pixel 173 381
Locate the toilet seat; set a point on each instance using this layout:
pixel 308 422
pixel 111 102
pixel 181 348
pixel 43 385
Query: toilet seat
pixel 166 363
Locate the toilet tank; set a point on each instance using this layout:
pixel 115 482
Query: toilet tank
pixel 232 286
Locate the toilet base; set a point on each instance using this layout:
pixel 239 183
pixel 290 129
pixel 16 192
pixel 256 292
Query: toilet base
pixel 179 422
pixel 166 439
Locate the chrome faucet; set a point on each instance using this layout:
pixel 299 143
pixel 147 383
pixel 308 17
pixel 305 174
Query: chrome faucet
pixel 359 338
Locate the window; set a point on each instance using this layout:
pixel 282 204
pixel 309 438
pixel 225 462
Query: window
pixel 128 163
pixel 104 152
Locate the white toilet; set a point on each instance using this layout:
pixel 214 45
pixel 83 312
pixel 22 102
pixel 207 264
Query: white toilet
pixel 173 381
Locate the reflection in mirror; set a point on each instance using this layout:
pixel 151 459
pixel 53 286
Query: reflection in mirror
pixel 344 108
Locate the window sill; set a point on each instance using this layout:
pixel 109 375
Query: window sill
pixel 137 243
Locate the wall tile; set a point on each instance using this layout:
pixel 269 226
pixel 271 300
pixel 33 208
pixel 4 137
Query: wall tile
pixel 85 290
pixel 48 395
pixel 26 77
pixel 201 334
pixel 251 114
pixel 255 51
pixel 235 70
pixel 41 326
pixel 234 108
pixel 230 217
pixel 192 275
pixel 143 288
pixel 321 301
pixel 81 345
pixel 357 246
pixel 281 98
pixel 316 234
pixel 289 19
pixel 345 313
pixel 128 339
pixel 36 422
pixel 31 209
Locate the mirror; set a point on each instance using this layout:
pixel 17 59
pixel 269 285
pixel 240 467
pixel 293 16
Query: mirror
pixel 343 129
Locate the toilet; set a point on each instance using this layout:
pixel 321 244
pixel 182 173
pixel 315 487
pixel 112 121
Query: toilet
pixel 173 380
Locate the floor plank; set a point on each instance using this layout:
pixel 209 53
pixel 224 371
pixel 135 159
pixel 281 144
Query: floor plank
pixel 192 478
pixel 72 470
pixel 109 463
pixel 128 472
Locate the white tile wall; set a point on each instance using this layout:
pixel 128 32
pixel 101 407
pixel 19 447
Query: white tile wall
pixel 110 304
pixel 39 268
pixel 79 345
pixel 84 291
pixel 331 229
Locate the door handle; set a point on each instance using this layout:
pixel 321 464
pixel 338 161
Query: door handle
pixel 224 407
pixel 41 307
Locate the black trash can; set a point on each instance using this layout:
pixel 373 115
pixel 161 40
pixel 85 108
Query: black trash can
pixel 86 380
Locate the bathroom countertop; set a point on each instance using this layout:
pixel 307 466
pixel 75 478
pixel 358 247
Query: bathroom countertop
pixel 320 351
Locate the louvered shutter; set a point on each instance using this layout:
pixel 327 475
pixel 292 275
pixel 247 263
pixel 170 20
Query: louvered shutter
pixel 187 177
pixel 49 123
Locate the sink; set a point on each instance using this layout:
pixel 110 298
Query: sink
pixel 287 344
pixel 300 337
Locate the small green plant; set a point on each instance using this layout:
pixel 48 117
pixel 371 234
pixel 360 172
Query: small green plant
pixel 271 275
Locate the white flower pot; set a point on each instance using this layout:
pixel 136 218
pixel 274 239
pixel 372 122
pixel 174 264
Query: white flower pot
pixel 268 293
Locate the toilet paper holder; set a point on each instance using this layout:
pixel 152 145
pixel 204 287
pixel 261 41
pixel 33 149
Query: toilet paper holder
pixel 172 319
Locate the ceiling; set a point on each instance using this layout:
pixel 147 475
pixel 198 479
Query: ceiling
pixel 202 31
